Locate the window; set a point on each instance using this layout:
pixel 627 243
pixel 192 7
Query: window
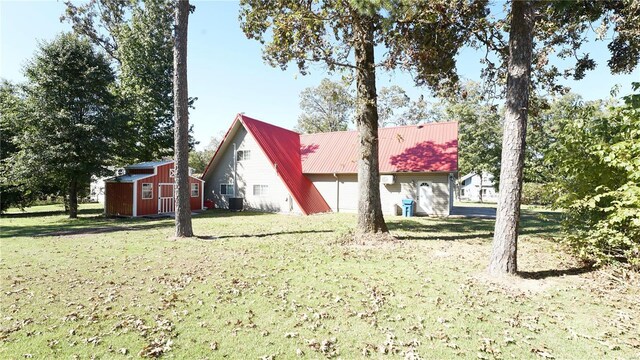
pixel 484 192
pixel 226 189
pixel 195 190
pixel 244 155
pixel 461 192
pixel 147 191
pixel 172 173
pixel 260 190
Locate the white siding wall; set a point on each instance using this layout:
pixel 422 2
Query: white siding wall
pixel 475 184
pixel 255 171
pixel 391 196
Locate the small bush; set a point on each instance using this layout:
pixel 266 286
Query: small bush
pixel 536 194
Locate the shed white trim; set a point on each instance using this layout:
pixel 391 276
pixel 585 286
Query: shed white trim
pixel 134 212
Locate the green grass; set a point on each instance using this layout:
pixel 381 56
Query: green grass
pixel 263 284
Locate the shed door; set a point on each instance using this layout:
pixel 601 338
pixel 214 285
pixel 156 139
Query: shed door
pixel 166 204
pixel 426 197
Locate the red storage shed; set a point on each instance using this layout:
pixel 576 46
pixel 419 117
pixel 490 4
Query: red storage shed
pixel 148 189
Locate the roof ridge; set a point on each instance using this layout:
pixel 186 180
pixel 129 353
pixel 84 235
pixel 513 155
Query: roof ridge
pixel 243 116
pixel 386 128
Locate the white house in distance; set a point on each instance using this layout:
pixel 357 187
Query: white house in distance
pixel 278 170
pixel 476 187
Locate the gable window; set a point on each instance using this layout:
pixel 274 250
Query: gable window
pixel 226 189
pixel 172 173
pixel 244 155
pixel 260 190
pixel 147 191
pixel 195 189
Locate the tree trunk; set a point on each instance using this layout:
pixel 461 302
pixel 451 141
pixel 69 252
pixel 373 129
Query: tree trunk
pixel 73 199
pixel 505 239
pixel 181 117
pixel 370 218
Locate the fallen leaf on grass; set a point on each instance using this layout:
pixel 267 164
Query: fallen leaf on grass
pixel 543 353
pixel 156 348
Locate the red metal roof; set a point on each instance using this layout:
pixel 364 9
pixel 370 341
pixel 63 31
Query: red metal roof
pixel 417 148
pixel 282 147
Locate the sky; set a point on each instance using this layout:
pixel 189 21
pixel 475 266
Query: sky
pixel 226 70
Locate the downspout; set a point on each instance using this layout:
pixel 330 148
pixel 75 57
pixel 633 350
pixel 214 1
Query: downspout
pixel 337 192
pixel 235 171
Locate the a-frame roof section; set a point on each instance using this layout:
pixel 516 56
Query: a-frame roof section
pixel 282 148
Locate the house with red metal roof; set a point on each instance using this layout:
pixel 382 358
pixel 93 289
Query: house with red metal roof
pixel 265 167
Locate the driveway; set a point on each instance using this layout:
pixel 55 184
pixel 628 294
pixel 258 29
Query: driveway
pixel 474 212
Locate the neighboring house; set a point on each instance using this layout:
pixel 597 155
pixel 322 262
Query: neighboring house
pixel 278 170
pixel 96 189
pixel 475 187
pixel 147 189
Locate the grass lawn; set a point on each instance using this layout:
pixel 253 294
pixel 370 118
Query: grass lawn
pixel 275 286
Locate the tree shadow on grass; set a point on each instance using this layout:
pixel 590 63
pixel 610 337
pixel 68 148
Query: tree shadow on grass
pixel 261 235
pixel 540 224
pixel 543 274
pixel 94 226
pixel 97 224
pixel 31 214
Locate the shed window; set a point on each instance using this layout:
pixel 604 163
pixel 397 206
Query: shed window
pixel 260 190
pixel 226 189
pixel 244 155
pixel 147 191
pixel 195 189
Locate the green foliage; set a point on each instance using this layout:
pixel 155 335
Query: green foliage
pixel 421 36
pixel 396 108
pixel 330 107
pixel 597 180
pixel 68 119
pixel 479 129
pixel 137 36
pixel 536 194
pixel 198 160
pixel 12 192
pixel 327 107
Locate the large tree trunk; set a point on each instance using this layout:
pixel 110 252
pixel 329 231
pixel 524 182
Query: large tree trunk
pixel 73 199
pixel 505 239
pixel 370 219
pixel 181 116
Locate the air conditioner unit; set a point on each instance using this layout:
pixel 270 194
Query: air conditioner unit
pixel 387 179
pixel 120 171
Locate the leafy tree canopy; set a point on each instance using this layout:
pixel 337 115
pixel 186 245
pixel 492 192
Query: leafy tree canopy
pixel 138 37
pixel 327 107
pixel 69 119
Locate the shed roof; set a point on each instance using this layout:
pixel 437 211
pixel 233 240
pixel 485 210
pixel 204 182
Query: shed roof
pixel 416 148
pixel 128 178
pixel 148 164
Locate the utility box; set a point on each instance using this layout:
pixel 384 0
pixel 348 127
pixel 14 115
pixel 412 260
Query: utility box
pixel 407 207
pixel 236 203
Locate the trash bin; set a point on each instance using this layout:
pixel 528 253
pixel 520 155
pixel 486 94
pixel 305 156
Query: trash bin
pixel 407 207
